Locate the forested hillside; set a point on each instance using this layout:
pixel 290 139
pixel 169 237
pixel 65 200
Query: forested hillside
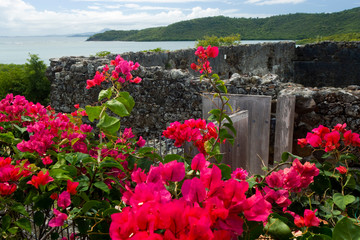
pixel 290 26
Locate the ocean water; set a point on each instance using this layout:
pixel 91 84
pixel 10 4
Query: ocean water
pixel 16 49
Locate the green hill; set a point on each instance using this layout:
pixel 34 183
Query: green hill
pixel 290 26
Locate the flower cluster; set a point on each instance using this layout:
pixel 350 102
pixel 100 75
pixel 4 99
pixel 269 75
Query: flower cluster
pixel 295 178
pixel 322 137
pixel 203 65
pixel 209 208
pixel 121 73
pixel 10 174
pixel 309 219
pixel 196 131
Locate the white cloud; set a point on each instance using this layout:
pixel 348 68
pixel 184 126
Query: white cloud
pixel 272 2
pixel 19 18
pixel 147 1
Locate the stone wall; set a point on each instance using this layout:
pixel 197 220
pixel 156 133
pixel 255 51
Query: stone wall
pixel 328 64
pixel 170 90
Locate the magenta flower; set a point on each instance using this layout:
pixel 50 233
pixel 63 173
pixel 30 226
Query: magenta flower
pixel 58 220
pixel 141 142
pixel 40 179
pixel 342 169
pixel 173 171
pixel 193 190
pixel 64 200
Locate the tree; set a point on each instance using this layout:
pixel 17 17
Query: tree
pixel 38 89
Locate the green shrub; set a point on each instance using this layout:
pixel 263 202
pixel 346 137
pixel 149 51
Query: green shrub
pixel 348 37
pixel 156 50
pixel 38 86
pixel 219 41
pixel 102 53
pixel 27 79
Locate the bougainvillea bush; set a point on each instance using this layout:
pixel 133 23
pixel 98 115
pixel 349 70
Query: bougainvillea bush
pixel 60 179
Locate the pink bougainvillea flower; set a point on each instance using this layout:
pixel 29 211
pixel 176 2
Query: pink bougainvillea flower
pixel 313 139
pixel 332 141
pixel 198 162
pixel 310 219
pixel 54 196
pixel 138 176
pixel 47 160
pixel 340 128
pixel 64 200
pixel 71 187
pixel 351 138
pixel 256 208
pixel 141 142
pixel 173 171
pixel 342 169
pixel 40 179
pixel 7 189
pixel 302 142
pixel 239 174
pixel 77 106
pixel 58 220
pixel 321 131
pixel 193 190
pixel 212 52
pixel 299 221
pixel 86 128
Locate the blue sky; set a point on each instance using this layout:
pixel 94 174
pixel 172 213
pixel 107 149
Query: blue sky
pixel 47 17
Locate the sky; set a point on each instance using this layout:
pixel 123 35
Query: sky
pixel 61 17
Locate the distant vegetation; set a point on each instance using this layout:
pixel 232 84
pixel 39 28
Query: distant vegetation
pixel 347 37
pixel 102 53
pixel 286 27
pixel 219 41
pixel 28 80
pixel 156 50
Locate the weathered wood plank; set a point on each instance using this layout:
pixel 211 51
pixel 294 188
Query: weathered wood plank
pixel 237 155
pixel 259 108
pixel 284 129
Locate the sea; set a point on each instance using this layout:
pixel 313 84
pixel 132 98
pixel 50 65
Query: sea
pixel 16 50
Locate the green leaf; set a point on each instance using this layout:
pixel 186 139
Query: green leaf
pixel 172 157
pixel 109 162
pixel 345 229
pixel 326 155
pixel 5 222
pixel 278 229
pixel 117 107
pixel 93 112
pixel 215 76
pixel 109 124
pixel 126 99
pixel 18 207
pixel 105 94
pixel 82 225
pixel 321 184
pixel 39 218
pixel 231 128
pixel 89 205
pixel 60 174
pixel 285 156
pixel 225 170
pixel 24 223
pixel 147 150
pixel 110 211
pixel 13 230
pixel 102 186
pixel 230 107
pixel 7 137
pixel 71 170
pixel 350 182
pixel 341 201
